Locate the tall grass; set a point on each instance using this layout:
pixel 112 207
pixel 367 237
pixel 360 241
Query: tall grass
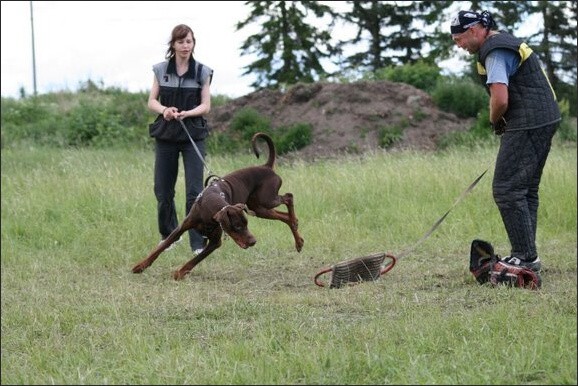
pixel 75 221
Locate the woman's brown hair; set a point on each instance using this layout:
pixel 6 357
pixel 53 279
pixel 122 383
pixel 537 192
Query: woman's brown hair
pixel 179 32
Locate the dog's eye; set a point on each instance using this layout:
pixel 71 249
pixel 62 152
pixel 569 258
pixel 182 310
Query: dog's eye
pixel 239 226
pixel 237 223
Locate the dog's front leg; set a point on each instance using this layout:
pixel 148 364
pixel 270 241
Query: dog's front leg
pixel 147 262
pixel 209 248
pixel 187 224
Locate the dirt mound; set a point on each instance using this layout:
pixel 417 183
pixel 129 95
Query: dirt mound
pixel 346 118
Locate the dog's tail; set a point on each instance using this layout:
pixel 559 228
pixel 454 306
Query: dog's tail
pixel 271 160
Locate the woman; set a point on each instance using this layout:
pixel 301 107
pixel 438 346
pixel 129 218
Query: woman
pixel 180 92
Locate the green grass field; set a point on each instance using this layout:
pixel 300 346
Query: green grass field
pixel 74 222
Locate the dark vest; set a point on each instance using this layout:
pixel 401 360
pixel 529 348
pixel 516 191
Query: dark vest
pixel 183 92
pixel 531 98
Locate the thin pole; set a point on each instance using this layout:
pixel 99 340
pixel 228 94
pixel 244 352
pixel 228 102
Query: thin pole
pixel 33 51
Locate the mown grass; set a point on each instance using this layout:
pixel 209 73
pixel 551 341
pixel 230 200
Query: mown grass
pixel 75 221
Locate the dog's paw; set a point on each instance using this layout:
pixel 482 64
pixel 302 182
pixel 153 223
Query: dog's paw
pixel 299 244
pixel 138 268
pixel 178 275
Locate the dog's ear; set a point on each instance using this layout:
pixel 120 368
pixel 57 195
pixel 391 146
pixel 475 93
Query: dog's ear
pixel 219 216
pixel 223 214
pixel 241 207
pixel 248 211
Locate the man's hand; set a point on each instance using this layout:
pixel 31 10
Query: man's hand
pixel 499 127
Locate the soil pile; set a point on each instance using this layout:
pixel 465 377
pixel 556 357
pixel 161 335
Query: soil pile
pixel 346 118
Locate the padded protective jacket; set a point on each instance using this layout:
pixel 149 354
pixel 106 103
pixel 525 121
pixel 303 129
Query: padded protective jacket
pixel 531 98
pixel 183 92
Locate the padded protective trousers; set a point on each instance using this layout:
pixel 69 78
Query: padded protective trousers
pixel 518 171
pixel 165 178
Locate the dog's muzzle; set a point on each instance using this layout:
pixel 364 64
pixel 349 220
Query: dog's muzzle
pixel 354 271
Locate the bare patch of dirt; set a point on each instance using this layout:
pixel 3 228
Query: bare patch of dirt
pixel 346 118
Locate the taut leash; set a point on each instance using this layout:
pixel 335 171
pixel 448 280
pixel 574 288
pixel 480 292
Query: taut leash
pixel 370 268
pixel 195 146
pixel 442 218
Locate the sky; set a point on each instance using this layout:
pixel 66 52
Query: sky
pixel 116 43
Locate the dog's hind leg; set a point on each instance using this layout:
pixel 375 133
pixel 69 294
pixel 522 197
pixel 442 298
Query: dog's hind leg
pixel 288 218
pixel 293 221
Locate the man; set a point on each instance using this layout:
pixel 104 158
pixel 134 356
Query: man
pixel 524 112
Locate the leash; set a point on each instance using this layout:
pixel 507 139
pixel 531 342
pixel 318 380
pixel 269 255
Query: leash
pixel 196 149
pixel 442 218
pixel 365 268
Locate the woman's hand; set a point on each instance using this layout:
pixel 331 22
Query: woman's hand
pixel 182 115
pixel 170 113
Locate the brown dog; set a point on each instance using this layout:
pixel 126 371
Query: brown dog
pixel 222 205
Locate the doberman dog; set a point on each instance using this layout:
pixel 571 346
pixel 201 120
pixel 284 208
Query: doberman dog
pixel 222 205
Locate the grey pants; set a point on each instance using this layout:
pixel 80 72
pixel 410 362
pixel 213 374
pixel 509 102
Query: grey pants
pixel 519 165
pixel 165 178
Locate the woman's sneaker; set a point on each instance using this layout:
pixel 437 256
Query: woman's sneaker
pixel 535 265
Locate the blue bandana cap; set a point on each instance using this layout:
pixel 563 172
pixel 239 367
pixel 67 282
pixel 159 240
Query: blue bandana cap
pixel 465 20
